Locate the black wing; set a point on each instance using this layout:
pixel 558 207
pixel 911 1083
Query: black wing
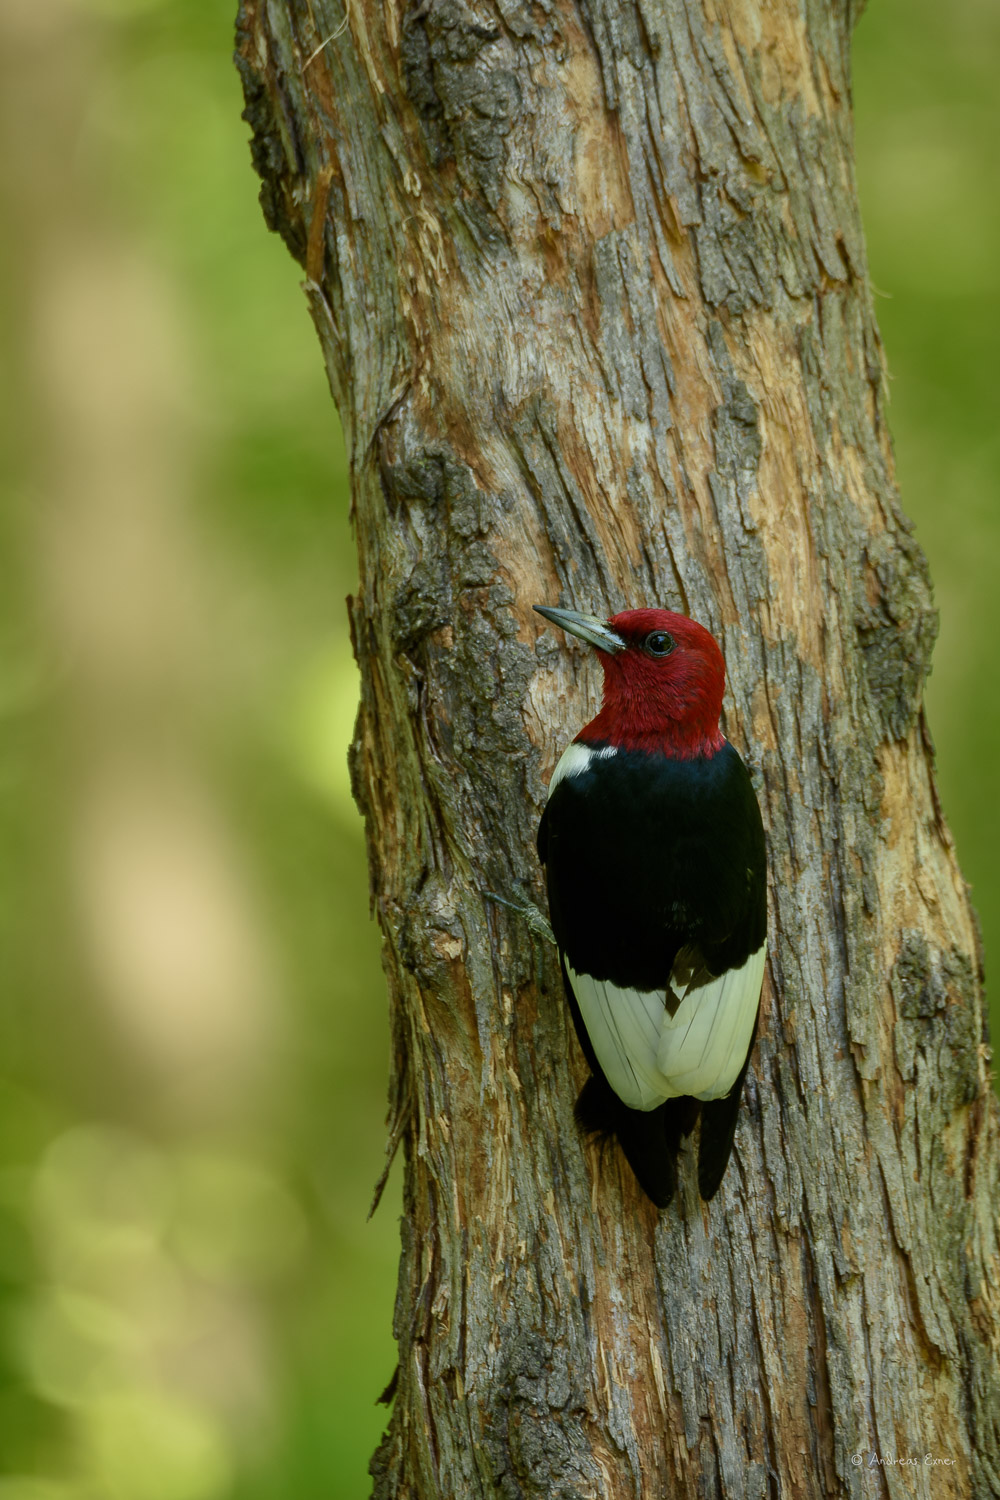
pixel 643 874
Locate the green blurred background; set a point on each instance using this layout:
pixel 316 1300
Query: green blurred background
pixel 192 1304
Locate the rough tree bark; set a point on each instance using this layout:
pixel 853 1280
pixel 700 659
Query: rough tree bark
pixel 590 283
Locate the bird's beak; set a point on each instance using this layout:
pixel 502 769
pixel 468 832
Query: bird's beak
pixel 587 627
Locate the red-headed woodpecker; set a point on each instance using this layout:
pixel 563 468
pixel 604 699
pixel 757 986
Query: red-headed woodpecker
pixel 654 855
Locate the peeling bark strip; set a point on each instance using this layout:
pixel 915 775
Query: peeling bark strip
pixel 590 283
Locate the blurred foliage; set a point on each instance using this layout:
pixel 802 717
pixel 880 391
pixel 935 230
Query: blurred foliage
pixel 927 118
pixel 192 1305
pixel 195 1039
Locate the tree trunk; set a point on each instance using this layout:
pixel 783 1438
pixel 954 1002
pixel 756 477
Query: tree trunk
pixel 591 287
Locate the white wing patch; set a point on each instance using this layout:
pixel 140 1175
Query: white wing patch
pixel 649 1055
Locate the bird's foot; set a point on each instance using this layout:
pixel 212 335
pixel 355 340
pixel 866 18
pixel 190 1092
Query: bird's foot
pixel 537 923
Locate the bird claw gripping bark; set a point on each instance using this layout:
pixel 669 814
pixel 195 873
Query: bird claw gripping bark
pixel 537 923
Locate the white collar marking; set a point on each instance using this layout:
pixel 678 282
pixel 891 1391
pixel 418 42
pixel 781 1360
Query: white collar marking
pixel 574 761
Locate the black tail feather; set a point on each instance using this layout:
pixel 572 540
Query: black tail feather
pixel 718 1128
pixel 650 1139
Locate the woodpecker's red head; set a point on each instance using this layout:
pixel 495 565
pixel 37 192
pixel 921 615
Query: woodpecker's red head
pixel 663 681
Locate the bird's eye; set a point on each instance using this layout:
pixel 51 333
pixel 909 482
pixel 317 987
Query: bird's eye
pixel 658 643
